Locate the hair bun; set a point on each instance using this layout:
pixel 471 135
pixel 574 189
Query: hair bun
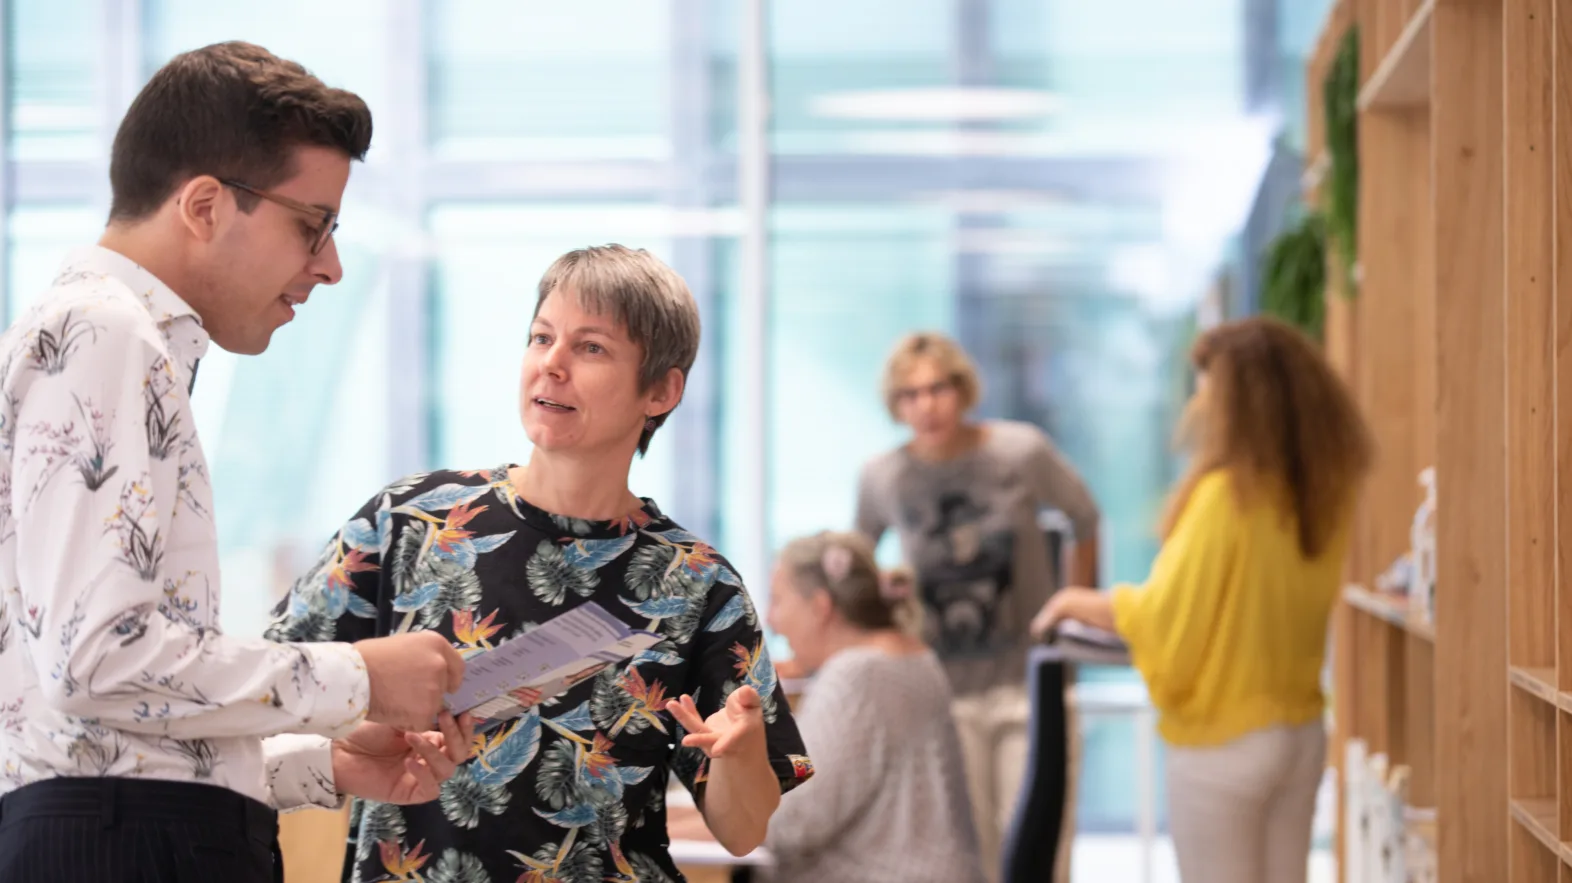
pixel 895 585
pixel 837 563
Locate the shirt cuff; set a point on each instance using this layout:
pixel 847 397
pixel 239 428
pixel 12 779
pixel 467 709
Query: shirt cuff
pixel 342 690
pixel 300 772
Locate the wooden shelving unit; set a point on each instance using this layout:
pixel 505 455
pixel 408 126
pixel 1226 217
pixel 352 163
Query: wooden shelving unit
pixel 1451 345
pixel 1402 79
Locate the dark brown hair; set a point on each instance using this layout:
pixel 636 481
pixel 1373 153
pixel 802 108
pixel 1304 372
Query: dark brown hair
pixel 231 110
pixel 1274 414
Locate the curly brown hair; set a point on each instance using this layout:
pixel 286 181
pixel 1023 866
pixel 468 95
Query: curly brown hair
pixel 1272 413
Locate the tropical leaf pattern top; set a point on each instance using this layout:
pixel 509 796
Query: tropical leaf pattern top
pixel 574 791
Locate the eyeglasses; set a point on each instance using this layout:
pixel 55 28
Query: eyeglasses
pixel 935 389
pixel 329 216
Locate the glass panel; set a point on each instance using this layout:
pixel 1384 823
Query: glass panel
pixel 1115 86
pixel 294 437
pixel 582 80
pixel 291 437
pixel 1070 314
pixel 345 42
pixel 846 282
pixel 823 53
pixel 489 260
pixel 53 50
pixel 1298 25
pixel 38 237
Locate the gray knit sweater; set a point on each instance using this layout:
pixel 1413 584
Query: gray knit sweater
pixel 888 798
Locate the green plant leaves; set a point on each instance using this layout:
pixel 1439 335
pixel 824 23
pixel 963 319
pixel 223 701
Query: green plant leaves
pixel 1340 99
pixel 1294 276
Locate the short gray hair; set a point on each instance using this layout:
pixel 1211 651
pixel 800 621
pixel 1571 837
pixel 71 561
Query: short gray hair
pixel 643 295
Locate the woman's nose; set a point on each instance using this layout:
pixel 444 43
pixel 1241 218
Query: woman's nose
pixel 555 362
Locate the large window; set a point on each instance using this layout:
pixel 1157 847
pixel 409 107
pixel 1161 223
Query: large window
pixel 296 439
pixel 827 55
pixel 52 57
pixel 1047 234
pixel 346 42
pixel 38 236
pixel 581 80
pixel 848 282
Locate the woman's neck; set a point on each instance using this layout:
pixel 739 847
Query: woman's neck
pixel 963 440
pixel 845 636
pixel 574 488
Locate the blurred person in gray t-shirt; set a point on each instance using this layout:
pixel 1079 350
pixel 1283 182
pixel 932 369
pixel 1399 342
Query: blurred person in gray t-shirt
pixel 964 497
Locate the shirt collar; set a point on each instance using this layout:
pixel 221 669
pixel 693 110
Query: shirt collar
pixel 160 300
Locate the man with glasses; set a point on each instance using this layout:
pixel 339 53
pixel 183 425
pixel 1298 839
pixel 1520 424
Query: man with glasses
pixel 134 734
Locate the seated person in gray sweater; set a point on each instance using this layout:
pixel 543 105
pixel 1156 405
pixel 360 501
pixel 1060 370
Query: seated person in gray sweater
pixel 888 800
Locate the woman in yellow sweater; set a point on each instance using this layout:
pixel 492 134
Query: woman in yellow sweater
pixel 1229 631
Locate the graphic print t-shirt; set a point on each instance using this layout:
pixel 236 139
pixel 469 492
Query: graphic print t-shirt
pixel 969 528
pixel 574 791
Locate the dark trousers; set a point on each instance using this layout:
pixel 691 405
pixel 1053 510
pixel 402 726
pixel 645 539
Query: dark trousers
pixel 136 831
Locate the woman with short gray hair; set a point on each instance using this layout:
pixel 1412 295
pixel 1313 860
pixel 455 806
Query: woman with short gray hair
pixel 575 789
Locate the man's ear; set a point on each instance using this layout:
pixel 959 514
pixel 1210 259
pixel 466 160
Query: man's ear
pixel 203 207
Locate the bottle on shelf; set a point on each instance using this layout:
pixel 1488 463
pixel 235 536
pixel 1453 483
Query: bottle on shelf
pixel 1422 543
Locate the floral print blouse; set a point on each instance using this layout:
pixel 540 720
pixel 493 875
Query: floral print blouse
pixel 574 791
pixel 112 659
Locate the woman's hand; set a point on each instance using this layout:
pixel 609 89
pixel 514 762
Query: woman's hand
pixel 742 791
pixel 1083 605
pixel 736 730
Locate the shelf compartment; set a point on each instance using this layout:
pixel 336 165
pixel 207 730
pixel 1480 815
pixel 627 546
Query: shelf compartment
pixel 1402 80
pixel 1390 608
pixel 1537 816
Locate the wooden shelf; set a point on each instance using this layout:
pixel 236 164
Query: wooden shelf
pixel 1450 346
pixel 1403 77
pixel 1538 817
pixel 1539 682
pixel 1392 609
pixel 1315 172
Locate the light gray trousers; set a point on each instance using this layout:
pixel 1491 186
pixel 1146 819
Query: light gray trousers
pixel 1242 812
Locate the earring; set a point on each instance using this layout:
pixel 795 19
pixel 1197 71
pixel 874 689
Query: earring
pixel 649 424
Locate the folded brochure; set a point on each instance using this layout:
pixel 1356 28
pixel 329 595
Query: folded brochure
pixel 1081 633
pixel 506 681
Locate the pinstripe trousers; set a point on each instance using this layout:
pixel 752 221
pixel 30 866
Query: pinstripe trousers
pixel 135 831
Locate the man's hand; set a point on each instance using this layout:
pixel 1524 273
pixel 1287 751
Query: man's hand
pixel 737 730
pixel 409 675
pixel 381 763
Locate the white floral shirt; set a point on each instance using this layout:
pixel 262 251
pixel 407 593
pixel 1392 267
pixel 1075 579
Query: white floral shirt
pixel 112 662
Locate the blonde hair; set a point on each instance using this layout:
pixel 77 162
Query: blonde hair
pixel 945 353
pixel 643 295
pixel 1273 413
pixel 842 565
